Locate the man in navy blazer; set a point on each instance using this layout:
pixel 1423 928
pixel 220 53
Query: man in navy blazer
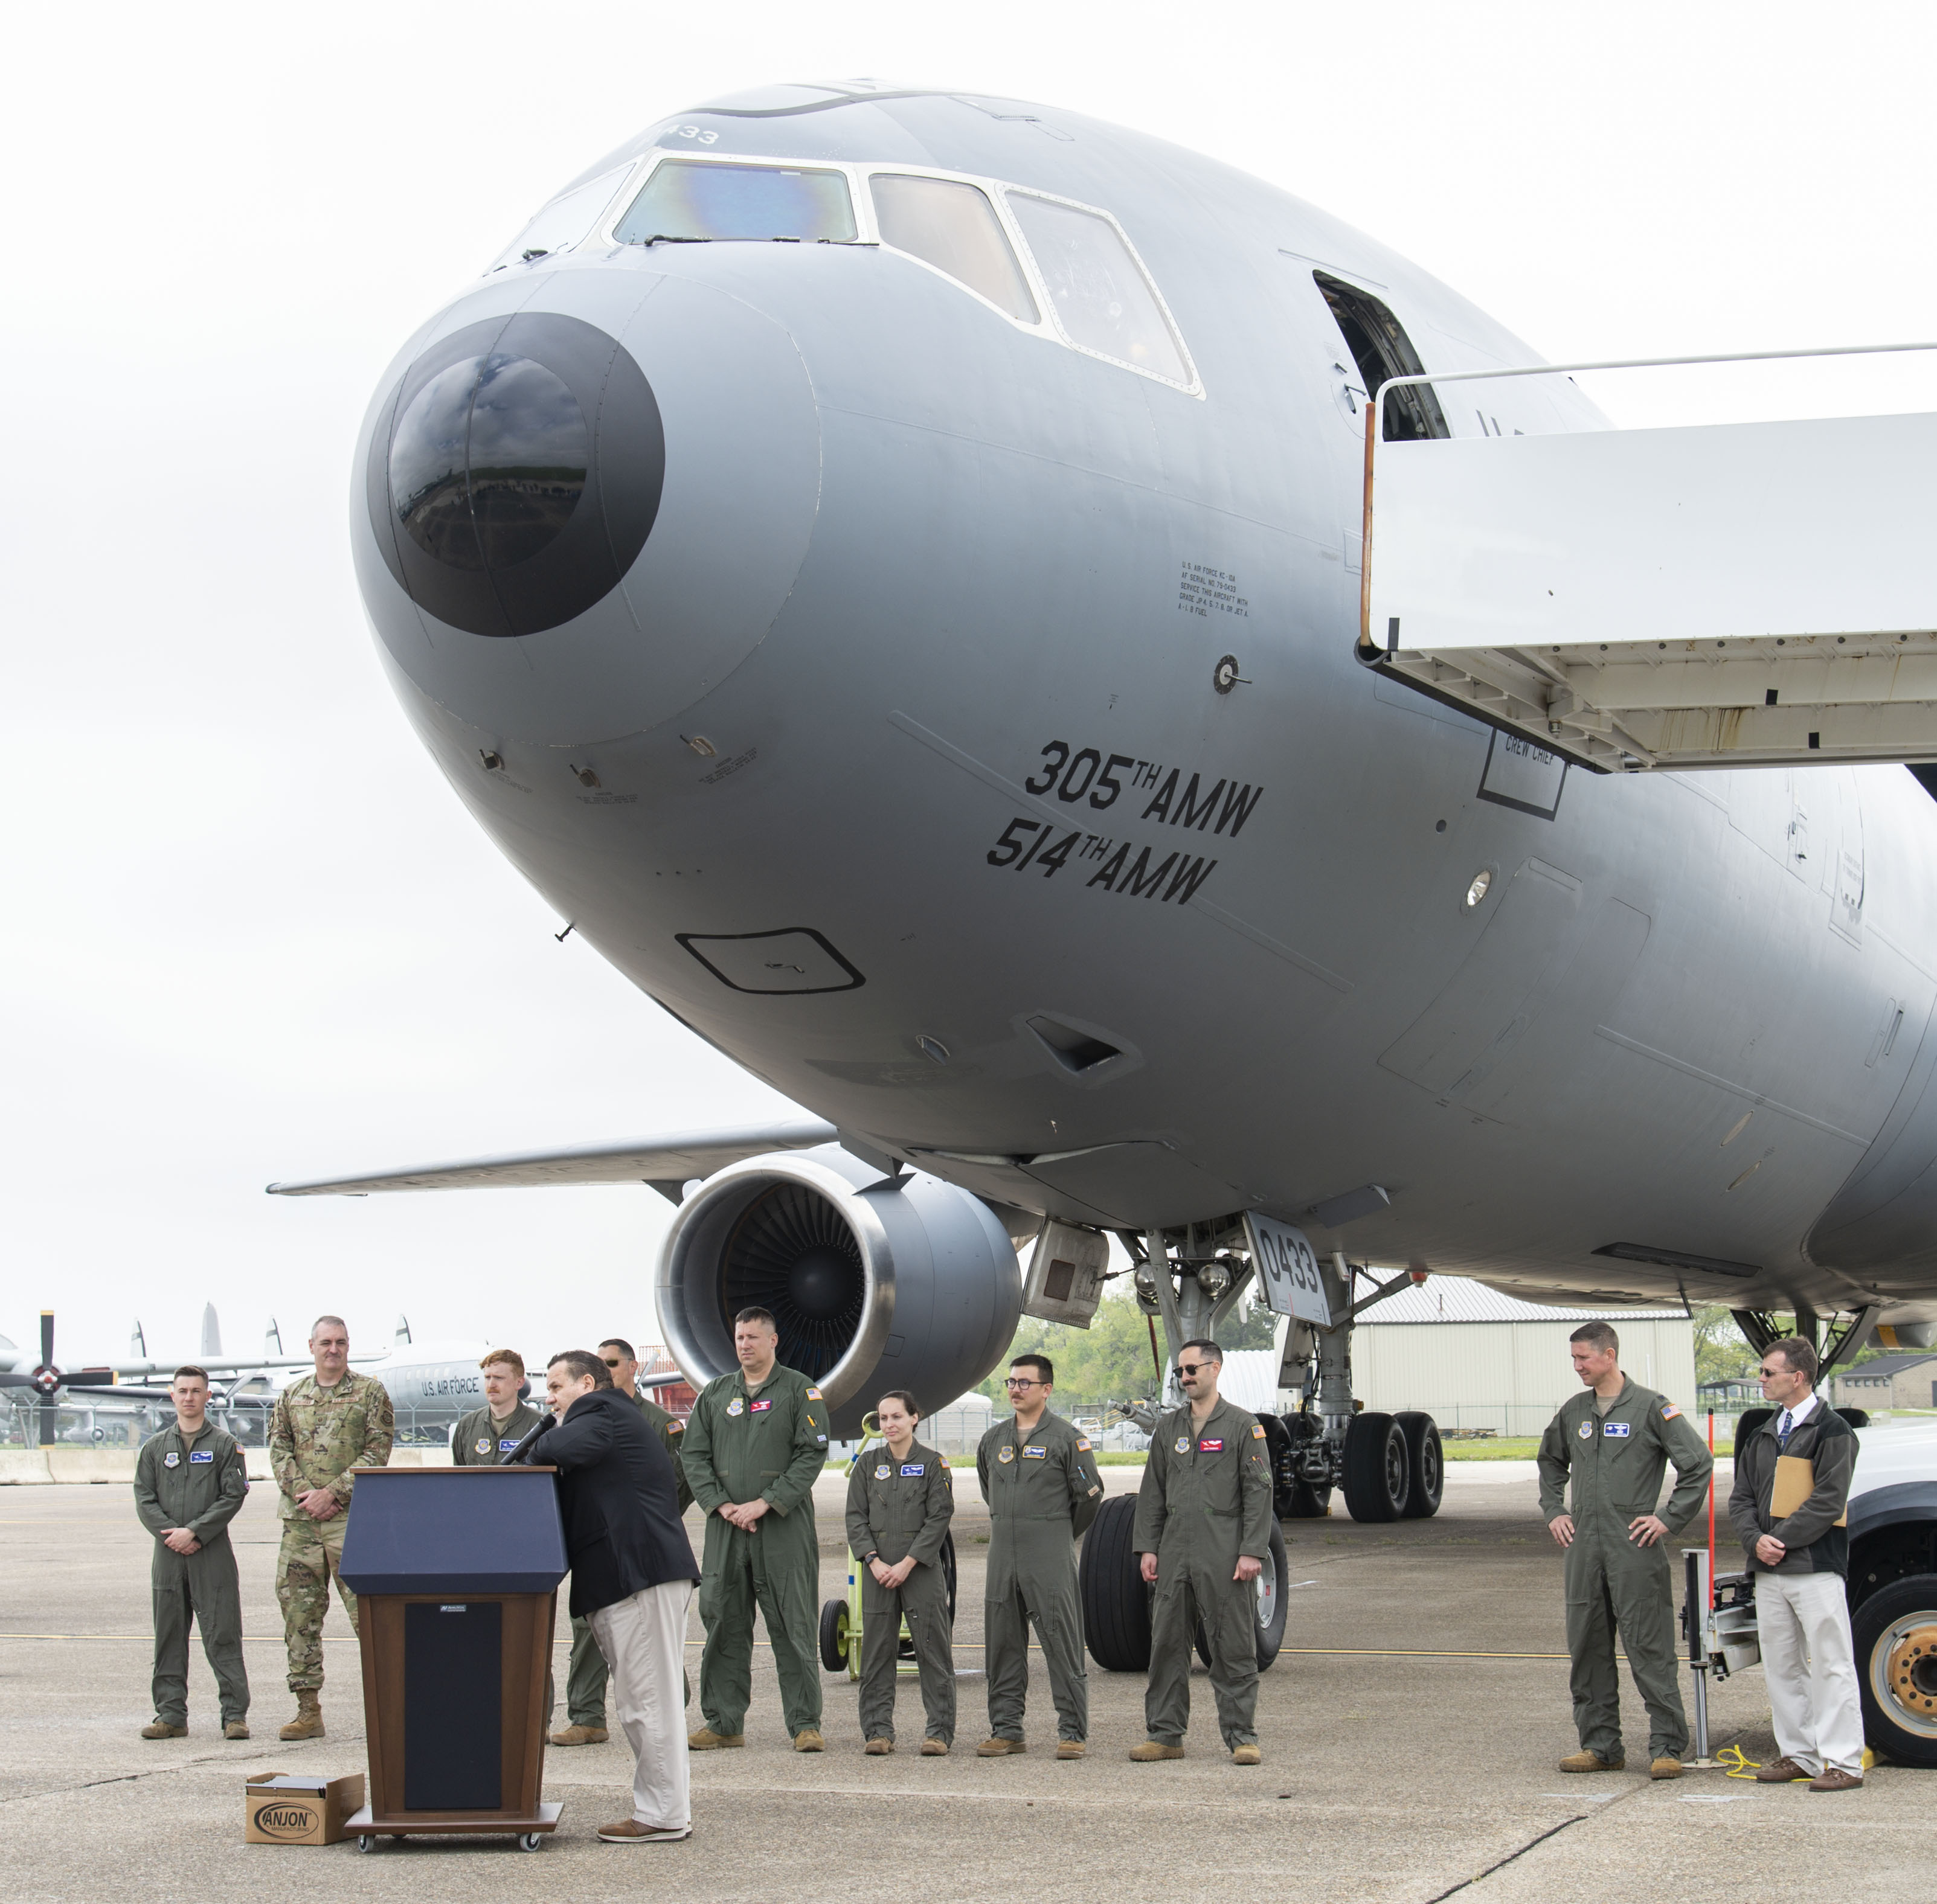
pixel 632 1576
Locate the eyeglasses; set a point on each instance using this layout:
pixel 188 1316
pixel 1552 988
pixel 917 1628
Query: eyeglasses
pixel 610 1361
pixel 1191 1368
pixel 1020 1381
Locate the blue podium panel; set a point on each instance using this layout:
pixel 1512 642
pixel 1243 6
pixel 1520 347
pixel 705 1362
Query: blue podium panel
pixel 453 1530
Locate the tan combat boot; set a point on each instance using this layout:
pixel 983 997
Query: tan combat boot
pixel 161 1729
pixel 1071 1748
pixel 1590 1762
pixel 878 1748
pixel 577 1735
pixel 935 1748
pixel 1667 1766
pixel 1246 1755
pixel 706 1740
pixel 808 1740
pixel 1153 1749
pixel 236 1729
pixel 997 1748
pixel 307 1722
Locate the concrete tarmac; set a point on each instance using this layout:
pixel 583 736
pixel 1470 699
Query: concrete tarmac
pixel 1409 1731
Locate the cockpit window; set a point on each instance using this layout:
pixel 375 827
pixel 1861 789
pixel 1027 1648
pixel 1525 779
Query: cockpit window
pixel 952 225
pixel 686 200
pixel 1102 299
pixel 564 222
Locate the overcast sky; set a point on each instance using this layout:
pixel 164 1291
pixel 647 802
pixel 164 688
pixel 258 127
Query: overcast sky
pixel 250 934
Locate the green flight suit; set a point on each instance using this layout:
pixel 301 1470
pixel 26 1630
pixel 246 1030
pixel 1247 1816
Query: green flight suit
pixel 197 1482
pixel 896 1508
pixel 316 1436
pixel 478 1442
pixel 1612 1585
pixel 586 1679
pixel 1043 1490
pixel 1204 1503
pixel 769 1444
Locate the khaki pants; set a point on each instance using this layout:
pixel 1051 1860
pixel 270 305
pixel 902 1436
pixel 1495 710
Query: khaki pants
pixel 1807 1662
pixel 643 1640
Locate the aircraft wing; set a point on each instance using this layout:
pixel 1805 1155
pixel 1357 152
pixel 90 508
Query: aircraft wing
pixel 666 1162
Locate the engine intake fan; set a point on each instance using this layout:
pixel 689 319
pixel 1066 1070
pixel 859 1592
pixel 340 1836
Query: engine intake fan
pixel 874 1285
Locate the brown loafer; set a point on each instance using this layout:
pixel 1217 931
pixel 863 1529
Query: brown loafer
pixel 706 1740
pixel 996 1748
pixel 878 1748
pixel 1780 1772
pixel 1667 1766
pixel 161 1729
pixel 630 1831
pixel 1834 1779
pixel 1152 1750
pixel 1590 1762
pixel 581 1736
pixel 935 1748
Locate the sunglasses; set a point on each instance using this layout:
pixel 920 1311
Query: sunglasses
pixel 1191 1368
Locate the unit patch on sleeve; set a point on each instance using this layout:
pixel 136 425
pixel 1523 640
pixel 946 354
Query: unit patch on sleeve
pixel 1082 1446
pixel 1669 1411
pixel 813 1394
pixel 1257 1431
pixel 1617 1430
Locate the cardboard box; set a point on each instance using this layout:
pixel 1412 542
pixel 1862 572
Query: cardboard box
pixel 297 1808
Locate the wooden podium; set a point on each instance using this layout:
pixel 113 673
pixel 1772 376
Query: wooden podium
pixel 456 1571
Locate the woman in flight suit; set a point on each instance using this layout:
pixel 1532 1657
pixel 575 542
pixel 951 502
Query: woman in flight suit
pixel 900 1500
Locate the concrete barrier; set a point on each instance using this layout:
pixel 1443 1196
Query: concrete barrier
pixel 40 1468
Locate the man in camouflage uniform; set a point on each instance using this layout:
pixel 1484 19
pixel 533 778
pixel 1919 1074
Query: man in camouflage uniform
pixel 190 1480
pixel 323 1426
pixel 585 1682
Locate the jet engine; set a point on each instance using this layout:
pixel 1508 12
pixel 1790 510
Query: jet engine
pixel 874 1283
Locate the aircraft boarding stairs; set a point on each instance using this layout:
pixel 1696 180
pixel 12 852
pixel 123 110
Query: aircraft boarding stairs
pixel 1712 595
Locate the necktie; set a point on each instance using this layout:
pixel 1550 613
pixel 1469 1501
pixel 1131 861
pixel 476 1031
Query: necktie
pixel 1783 1427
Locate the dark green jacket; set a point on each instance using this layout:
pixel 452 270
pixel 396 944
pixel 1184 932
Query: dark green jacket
pixel 1814 1542
pixel 1206 1485
pixel 672 1431
pixel 197 1484
pixel 1616 1464
pixel 770 1446
pixel 1049 1474
pixel 897 1508
pixel 478 1441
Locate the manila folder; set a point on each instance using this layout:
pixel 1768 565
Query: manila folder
pixel 1795 1482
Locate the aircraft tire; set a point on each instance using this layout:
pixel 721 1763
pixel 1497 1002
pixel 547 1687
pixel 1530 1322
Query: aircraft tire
pixel 1273 1609
pixel 1895 1633
pixel 833 1635
pixel 1425 1463
pixel 1116 1602
pixel 1749 1424
pixel 1299 1500
pixel 1378 1468
pixel 1857 1417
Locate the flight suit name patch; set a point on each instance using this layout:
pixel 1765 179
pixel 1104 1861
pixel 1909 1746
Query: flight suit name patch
pixel 1617 1430
pixel 1039 1453
pixel 202 1455
pixel 1211 1444
pixel 913 1467
pixel 171 1461
pixel 504 1448
pixel 760 1407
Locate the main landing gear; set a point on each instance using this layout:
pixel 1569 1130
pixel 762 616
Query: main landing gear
pixel 1388 1467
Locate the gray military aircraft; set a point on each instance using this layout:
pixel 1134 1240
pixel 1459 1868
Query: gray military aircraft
pixel 885 564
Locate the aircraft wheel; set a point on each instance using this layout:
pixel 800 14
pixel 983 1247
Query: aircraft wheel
pixel 1425 1464
pixel 1751 1423
pixel 1857 1417
pixel 834 1637
pixel 1294 1500
pixel 1895 1631
pixel 1378 1468
pixel 1116 1602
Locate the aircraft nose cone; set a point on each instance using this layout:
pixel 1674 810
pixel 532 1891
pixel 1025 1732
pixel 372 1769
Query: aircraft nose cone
pixel 582 501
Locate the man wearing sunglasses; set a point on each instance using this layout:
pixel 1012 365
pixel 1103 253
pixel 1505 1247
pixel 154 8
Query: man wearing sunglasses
pixel 586 1681
pixel 1798 1540
pixel 1203 1529
pixel 1039 1477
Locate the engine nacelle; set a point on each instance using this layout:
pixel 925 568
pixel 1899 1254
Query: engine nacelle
pixel 875 1284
